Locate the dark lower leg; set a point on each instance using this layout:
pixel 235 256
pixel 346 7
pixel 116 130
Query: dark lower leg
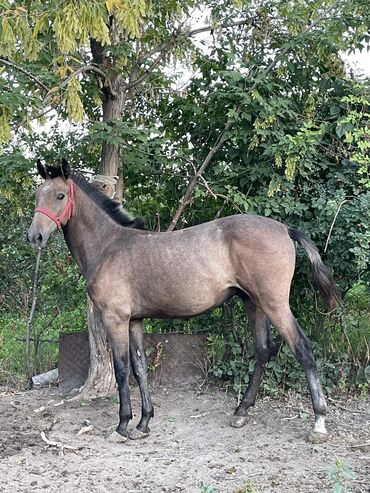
pixel 300 345
pixel 138 362
pixel 303 352
pixel 264 350
pixel 121 361
pixel 249 397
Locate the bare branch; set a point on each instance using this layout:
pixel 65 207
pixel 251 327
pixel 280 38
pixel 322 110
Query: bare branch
pixel 185 200
pixel 225 25
pixel 225 198
pixel 25 72
pixel 85 68
pixel 36 117
pixel 335 218
pixel 147 72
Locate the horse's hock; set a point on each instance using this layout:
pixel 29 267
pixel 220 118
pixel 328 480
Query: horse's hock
pixel 173 359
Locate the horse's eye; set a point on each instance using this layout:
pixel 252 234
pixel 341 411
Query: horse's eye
pixel 61 196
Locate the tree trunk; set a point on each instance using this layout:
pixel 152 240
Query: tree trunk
pixel 113 109
pixel 101 380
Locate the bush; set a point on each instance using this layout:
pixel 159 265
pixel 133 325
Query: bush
pixel 340 343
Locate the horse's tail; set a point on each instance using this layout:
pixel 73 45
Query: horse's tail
pixel 322 275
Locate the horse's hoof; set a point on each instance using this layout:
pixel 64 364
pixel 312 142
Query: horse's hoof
pixel 317 437
pixel 116 437
pixel 136 434
pixel 238 421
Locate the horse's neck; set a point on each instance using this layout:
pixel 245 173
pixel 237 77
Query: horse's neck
pixel 86 233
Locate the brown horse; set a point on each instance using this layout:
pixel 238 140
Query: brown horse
pixel 133 274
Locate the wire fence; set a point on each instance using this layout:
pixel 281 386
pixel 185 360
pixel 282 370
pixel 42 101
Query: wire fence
pixel 63 359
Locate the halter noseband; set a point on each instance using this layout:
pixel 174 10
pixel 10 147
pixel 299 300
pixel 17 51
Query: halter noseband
pixel 67 211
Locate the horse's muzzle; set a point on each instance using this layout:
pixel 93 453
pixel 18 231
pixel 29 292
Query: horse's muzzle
pixel 36 239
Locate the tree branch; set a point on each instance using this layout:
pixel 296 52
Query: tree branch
pixel 335 218
pixel 226 25
pixel 164 48
pixel 184 201
pixel 49 96
pixel 188 34
pixel 25 72
pixel 147 72
pixel 80 70
pixel 65 82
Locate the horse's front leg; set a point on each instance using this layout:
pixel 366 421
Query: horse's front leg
pixel 138 362
pixel 118 333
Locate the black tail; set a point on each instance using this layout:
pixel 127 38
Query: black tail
pixel 322 275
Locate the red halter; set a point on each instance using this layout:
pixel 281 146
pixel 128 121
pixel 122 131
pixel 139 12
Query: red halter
pixel 67 211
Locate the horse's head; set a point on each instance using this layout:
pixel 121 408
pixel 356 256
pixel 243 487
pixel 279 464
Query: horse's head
pixel 54 202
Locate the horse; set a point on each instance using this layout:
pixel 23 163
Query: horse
pixel 133 273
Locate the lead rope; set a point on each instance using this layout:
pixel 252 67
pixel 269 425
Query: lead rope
pixel 30 319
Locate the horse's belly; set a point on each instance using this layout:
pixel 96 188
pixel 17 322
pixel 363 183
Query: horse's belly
pixel 181 303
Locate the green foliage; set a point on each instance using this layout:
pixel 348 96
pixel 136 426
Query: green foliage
pixel 339 473
pixel 340 345
pixel 74 105
pixel 248 488
pixel 206 488
pixel 48 45
pixel 44 347
pixel 297 149
pixel 61 303
pixel 355 129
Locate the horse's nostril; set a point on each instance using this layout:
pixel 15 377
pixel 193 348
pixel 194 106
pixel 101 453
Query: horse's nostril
pixel 39 238
pixel 28 238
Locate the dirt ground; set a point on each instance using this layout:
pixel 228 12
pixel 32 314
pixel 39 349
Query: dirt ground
pixel 191 448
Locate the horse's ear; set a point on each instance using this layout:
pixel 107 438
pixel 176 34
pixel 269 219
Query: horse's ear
pixel 41 169
pixel 66 170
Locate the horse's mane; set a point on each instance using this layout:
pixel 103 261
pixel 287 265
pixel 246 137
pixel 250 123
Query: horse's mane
pixel 114 210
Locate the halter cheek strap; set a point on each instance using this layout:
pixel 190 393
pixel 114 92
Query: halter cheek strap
pixel 66 212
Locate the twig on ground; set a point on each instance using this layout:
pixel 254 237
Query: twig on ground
pixel 84 429
pixel 354 411
pixel 169 459
pixel 360 445
pixel 58 445
pixel 52 424
pixel 200 415
pixel 291 417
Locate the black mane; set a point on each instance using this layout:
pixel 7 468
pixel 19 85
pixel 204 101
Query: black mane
pixel 111 207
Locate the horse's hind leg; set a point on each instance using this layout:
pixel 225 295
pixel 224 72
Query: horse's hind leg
pixel 138 363
pixel 264 350
pixel 287 325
